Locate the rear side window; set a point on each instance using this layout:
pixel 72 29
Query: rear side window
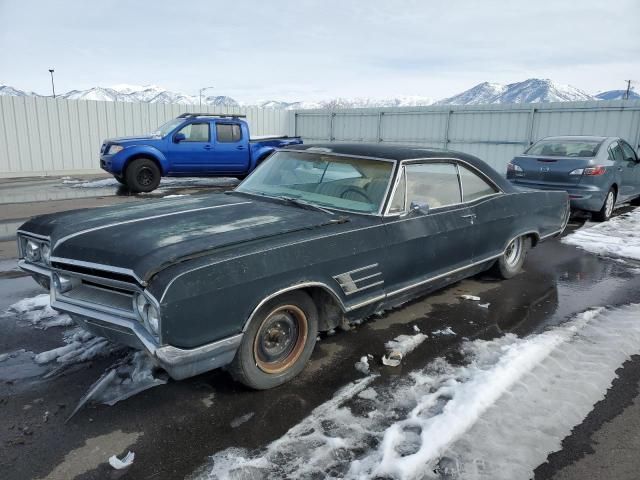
pixel 473 186
pixel 228 132
pixel 196 132
pixel 615 152
pixel 564 148
pixel 628 152
pixel 435 184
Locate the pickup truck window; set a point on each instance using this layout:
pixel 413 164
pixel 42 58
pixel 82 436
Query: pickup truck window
pixel 196 132
pixel 166 128
pixel 345 183
pixel 228 132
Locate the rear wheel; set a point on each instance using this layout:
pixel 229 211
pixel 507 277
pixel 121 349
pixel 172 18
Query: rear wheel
pixel 511 261
pixel 142 175
pixel 277 343
pixel 606 211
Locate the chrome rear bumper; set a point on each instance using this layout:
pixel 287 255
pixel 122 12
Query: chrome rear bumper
pixel 122 328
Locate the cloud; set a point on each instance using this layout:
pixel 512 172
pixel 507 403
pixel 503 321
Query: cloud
pixel 311 49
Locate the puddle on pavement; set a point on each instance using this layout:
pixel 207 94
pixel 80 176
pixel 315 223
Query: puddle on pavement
pixel 19 365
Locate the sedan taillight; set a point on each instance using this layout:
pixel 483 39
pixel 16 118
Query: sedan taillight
pixel 590 171
pixel 512 167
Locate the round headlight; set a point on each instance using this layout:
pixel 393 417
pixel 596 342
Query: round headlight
pixel 141 306
pixel 153 319
pixel 32 251
pixel 45 253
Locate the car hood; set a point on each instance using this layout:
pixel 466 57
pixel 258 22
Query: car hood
pixel 125 140
pixel 144 237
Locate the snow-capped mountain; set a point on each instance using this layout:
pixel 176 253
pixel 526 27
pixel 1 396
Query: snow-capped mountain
pixel 617 95
pixel 145 94
pixel 14 92
pixel 533 90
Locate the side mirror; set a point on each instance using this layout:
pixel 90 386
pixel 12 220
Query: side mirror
pixel 419 207
pixel 179 137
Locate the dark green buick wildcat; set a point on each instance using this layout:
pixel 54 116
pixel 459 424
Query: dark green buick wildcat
pixel 317 236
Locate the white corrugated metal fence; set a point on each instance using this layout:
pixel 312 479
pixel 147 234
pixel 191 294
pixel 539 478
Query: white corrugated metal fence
pixel 46 136
pixel 43 136
pixel 495 133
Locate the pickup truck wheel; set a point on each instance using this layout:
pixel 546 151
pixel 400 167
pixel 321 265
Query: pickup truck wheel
pixel 511 261
pixel 277 343
pixel 142 175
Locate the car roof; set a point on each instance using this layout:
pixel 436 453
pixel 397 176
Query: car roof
pixel 577 138
pixel 377 151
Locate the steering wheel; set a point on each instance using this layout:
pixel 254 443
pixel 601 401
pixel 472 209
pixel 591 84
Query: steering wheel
pixel 358 191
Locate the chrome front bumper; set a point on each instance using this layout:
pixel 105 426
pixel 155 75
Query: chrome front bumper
pixel 127 330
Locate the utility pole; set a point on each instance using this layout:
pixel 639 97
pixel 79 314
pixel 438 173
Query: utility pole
pixel 53 86
pixel 626 95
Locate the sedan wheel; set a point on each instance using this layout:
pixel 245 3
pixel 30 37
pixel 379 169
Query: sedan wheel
pixel 511 261
pixel 277 342
pixel 607 208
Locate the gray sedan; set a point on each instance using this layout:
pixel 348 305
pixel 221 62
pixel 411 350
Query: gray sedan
pixel 597 172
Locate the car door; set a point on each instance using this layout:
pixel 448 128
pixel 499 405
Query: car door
pixel 631 169
pixel 492 212
pixel 429 231
pixel 191 153
pixel 231 149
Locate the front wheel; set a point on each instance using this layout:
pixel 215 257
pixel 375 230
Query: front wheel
pixel 142 175
pixel 606 211
pixel 511 261
pixel 277 343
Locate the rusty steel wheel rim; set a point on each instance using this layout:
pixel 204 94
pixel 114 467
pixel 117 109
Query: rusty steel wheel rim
pixel 280 339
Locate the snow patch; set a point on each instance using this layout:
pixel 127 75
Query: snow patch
pixel 81 346
pixel 37 311
pixel 495 417
pixel 444 331
pixel 236 422
pixel 363 365
pixel 470 297
pixel 405 344
pixel 618 238
pixel 125 462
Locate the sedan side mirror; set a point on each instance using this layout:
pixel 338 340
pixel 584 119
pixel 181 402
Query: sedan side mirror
pixel 179 137
pixel 419 207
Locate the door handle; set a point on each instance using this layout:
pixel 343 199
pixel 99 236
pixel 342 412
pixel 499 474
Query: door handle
pixel 207 147
pixel 240 147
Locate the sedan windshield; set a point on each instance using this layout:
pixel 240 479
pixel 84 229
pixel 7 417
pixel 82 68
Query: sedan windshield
pixel 564 148
pixel 167 127
pixel 344 183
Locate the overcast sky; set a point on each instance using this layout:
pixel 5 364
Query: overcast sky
pixel 316 49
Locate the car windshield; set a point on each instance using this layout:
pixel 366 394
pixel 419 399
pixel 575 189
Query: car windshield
pixel 344 183
pixel 165 129
pixel 564 148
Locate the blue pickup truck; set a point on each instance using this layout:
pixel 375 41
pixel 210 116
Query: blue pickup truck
pixel 194 144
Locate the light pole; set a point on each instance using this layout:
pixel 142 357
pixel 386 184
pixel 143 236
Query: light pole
pixel 53 86
pixel 202 90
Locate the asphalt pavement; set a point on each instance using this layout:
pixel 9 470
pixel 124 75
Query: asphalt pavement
pixel 174 428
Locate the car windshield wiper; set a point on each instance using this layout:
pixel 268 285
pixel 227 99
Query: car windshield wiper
pixel 303 204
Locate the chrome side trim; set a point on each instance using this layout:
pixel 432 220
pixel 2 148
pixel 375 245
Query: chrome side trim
pixel 134 220
pixel 373 265
pixel 170 355
pixel 365 287
pixel 437 277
